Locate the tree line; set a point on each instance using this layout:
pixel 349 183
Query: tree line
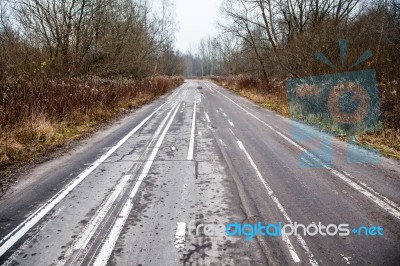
pixel 270 41
pixel 80 37
pixel 279 38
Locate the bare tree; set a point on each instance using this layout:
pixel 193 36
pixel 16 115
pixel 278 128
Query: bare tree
pixel 106 37
pixel 243 20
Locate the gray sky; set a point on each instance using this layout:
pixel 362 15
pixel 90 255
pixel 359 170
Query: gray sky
pixel 196 19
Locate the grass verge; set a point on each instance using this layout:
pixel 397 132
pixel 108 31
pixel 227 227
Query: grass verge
pixel 37 118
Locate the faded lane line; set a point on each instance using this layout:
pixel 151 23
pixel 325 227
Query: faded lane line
pixel 222 142
pixel 177 92
pixel 191 143
pixel 80 244
pixel 232 133
pixel 208 118
pixel 9 240
pixel 289 245
pixel 211 89
pixel 109 244
pixel 395 205
pixel 94 223
pixel 179 242
pixel 385 203
pixel 27 243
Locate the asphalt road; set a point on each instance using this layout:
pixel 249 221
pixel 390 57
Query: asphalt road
pixel 136 192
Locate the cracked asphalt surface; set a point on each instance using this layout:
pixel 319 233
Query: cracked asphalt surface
pixel 200 155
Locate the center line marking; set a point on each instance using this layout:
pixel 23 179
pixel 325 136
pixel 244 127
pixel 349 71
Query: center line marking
pixel 191 143
pixel 81 243
pixel 91 227
pixel 109 243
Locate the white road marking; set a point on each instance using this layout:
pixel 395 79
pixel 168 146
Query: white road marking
pixel 224 114
pixel 230 123
pixel 211 89
pixel 108 246
pixel 292 251
pixel 175 93
pixel 395 205
pixel 347 259
pixel 380 202
pixel 191 142
pixel 270 192
pixel 232 132
pixel 179 242
pixel 10 239
pixel 90 229
pixel 183 106
pixel 208 118
pixel 386 204
pixel 222 142
pixel 95 222
pixel 32 238
pixel 370 193
pixel 306 161
pixel 178 92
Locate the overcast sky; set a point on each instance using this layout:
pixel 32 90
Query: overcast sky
pixel 196 19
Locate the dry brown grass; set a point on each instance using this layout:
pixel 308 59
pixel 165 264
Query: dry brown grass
pixel 256 91
pixel 387 141
pixel 37 117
